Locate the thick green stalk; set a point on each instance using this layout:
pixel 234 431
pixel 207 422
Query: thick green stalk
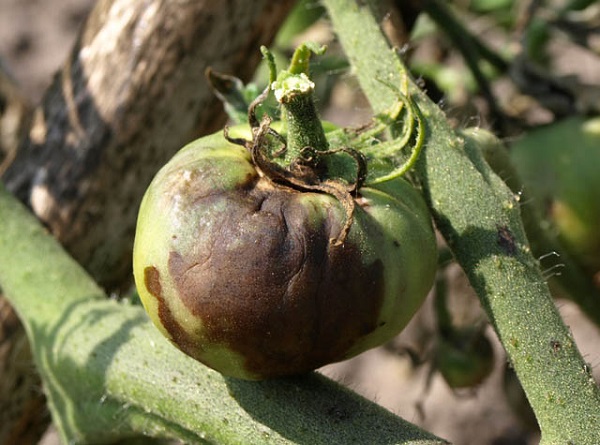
pixel 572 282
pixel 305 135
pixel 294 91
pixel 109 374
pixel 479 218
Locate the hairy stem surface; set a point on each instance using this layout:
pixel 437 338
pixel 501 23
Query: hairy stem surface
pixel 480 219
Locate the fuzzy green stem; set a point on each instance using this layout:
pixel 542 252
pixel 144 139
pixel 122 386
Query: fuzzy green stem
pixel 479 218
pixel 572 282
pixel 305 135
pixel 294 91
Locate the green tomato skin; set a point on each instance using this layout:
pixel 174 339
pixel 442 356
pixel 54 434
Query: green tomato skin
pixel 241 274
pixel 559 166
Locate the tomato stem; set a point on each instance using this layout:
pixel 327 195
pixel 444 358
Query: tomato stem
pixel 293 89
pixel 481 221
pixel 305 135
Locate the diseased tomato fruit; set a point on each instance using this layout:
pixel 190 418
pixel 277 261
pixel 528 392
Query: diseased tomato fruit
pixel 241 273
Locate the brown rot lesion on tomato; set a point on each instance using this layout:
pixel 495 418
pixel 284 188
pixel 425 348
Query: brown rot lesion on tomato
pixel 176 332
pixel 271 316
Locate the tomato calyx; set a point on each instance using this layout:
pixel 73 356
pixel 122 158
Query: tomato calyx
pixel 297 161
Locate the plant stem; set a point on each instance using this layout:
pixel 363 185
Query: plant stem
pixel 305 135
pixel 110 375
pixel 479 218
pixel 294 91
pixel 572 282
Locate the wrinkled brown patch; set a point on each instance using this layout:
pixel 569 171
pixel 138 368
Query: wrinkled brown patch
pixel 273 290
pixel 152 282
pixel 178 336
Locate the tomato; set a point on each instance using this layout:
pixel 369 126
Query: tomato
pixel 241 273
pixel 559 166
